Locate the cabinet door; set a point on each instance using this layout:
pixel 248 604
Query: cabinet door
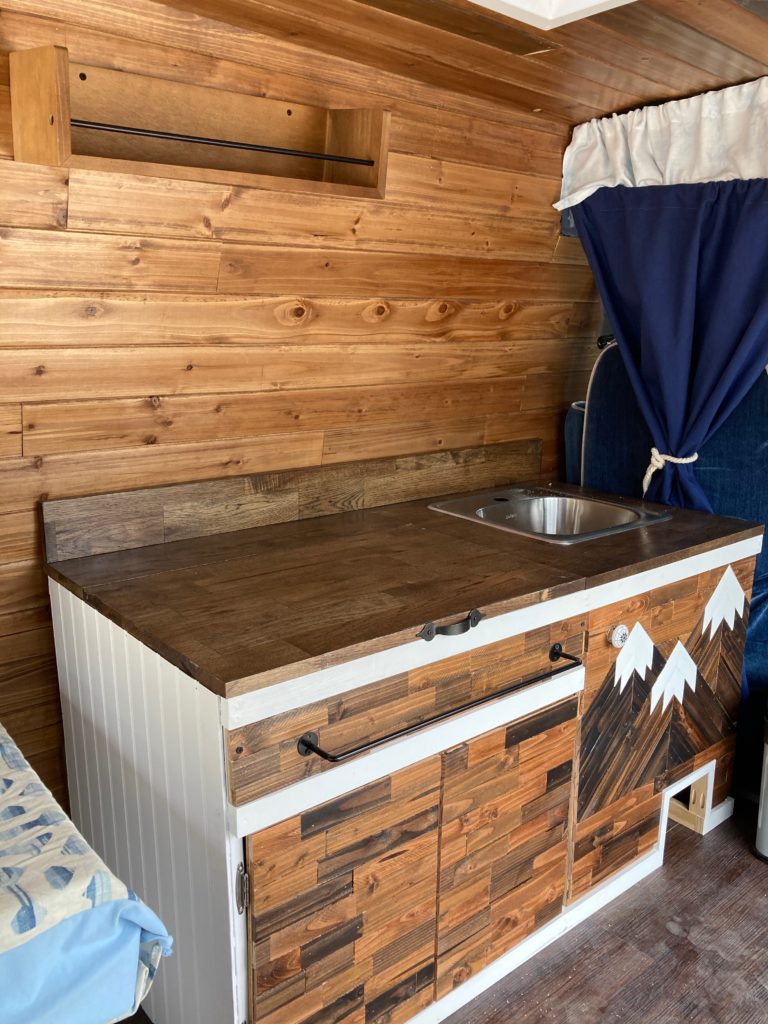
pixel 503 848
pixel 343 906
pixel 654 710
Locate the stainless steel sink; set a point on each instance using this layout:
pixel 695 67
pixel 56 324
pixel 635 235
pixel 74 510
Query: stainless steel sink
pixel 550 515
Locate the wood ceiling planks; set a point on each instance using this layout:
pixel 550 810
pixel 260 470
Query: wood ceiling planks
pixel 637 53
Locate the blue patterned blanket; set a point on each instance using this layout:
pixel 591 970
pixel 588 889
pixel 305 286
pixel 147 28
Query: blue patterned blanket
pixel 75 944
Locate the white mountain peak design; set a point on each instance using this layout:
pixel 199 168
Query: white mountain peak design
pixel 679 671
pixel 635 656
pixel 726 602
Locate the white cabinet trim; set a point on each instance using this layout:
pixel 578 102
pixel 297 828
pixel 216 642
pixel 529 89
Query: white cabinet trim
pixel 330 682
pixel 399 754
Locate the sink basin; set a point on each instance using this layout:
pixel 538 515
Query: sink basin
pixel 550 515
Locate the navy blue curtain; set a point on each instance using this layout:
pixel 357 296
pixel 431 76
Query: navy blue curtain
pixel 683 273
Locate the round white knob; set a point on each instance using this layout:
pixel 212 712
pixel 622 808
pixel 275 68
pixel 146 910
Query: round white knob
pixel 618 635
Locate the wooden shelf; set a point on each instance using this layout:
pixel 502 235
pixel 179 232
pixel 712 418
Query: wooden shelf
pixel 48 92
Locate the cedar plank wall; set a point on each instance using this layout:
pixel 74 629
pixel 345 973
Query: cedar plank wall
pixel 152 334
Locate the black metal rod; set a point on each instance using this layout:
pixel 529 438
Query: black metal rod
pixel 556 652
pixel 151 133
pixel 308 743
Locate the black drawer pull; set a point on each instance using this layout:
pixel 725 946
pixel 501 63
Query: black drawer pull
pixel 308 743
pixel 430 631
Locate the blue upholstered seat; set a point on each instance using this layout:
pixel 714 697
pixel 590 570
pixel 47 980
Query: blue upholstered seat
pixel 732 468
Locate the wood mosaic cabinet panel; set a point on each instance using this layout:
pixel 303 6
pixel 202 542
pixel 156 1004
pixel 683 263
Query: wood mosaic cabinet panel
pixel 503 848
pixel 342 923
pixel 370 906
pixel 263 756
pixel 664 704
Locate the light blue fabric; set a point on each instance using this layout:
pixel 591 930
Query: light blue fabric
pixel 76 945
pixel 83 971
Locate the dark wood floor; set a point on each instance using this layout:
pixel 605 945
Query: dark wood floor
pixel 690 944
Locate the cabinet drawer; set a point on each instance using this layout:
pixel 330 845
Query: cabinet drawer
pixel 263 756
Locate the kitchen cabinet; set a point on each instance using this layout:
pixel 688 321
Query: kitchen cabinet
pixel 468 845
pixel 478 800
pixel 655 709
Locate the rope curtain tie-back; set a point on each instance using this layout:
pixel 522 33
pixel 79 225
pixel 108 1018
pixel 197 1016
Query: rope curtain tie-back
pixel 657 462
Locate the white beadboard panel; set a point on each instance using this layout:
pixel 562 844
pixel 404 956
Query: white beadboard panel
pixel 399 754
pixel 147 787
pixel 330 682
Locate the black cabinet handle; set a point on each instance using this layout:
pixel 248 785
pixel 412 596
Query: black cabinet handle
pixel 308 743
pixel 430 631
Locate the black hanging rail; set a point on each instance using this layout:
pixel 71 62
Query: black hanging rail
pixel 309 742
pixel 150 133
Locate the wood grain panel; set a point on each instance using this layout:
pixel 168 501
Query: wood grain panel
pixel 278 60
pixel 95 319
pixel 40 112
pixel 405 51
pixel 457 186
pixel 57 373
pixel 611 840
pixel 19 536
pixel 10 431
pixel 503 845
pixel 116 522
pixel 6 132
pixel 157 207
pixel 263 756
pixel 58 427
pixel 253 65
pixel 719 19
pixel 342 920
pixel 33 196
pixel 26 481
pixel 55 259
pixel 244 268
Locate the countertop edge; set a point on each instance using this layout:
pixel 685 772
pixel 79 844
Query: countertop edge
pixel 228 688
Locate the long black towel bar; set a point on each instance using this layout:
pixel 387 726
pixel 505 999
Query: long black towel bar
pixel 151 133
pixel 309 742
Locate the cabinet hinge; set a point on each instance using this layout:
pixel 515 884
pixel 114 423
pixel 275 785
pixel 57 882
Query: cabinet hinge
pixel 242 889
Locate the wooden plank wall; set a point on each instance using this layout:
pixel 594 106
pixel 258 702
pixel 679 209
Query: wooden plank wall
pixel 154 331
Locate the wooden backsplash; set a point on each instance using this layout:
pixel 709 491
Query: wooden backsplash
pixel 156 331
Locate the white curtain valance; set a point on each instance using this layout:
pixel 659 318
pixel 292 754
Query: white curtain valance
pixel 717 136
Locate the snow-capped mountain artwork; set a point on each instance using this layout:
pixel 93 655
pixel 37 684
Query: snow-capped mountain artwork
pixel 726 602
pixel 679 671
pixel 635 656
pixel 672 693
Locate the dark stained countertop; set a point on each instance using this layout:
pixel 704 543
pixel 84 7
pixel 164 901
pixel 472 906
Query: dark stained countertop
pixel 246 609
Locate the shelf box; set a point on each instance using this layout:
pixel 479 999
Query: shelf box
pixel 48 91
